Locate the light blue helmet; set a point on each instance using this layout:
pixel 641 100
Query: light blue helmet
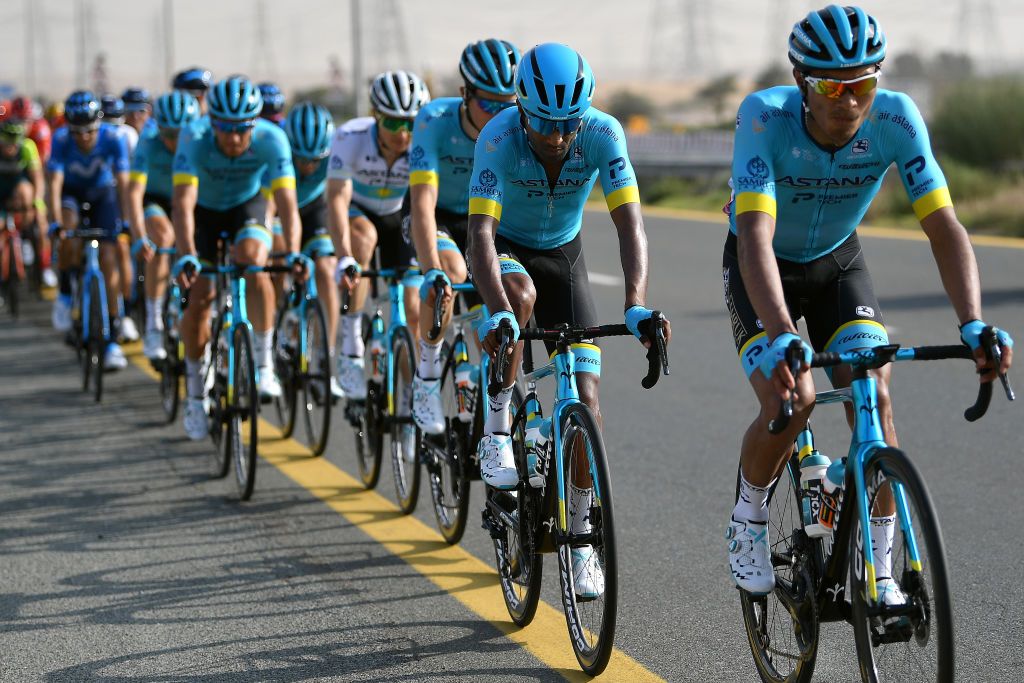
pixel 554 82
pixel 836 38
pixel 309 128
pixel 490 65
pixel 234 99
pixel 175 109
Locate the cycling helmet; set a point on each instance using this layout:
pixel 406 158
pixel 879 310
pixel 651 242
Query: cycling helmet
pixel 273 101
pixel 836 38
pixel 54 112
pixel 112 106
pixel 82 108
pixel 175 109
pixel 399 94
pixel 22 108
pixel 554 82
pixel 194 79
pixel 309 129
pixel 490 65
pixel 234 99
pixel 136 99
pixel 12 129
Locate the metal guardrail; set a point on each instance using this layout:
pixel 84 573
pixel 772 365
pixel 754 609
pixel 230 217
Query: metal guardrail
pixel 684 154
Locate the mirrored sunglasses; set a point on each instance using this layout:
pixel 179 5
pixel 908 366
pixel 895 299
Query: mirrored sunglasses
pixel 396 125
pixel 493 107
pixel 834 88
pixel 233 126
pixel 547 126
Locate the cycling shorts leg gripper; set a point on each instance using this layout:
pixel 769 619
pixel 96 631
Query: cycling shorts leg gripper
pixel 856 334
pixel 446 243
pixel 355 212
pixel 319 245
pixel 255 232
pixel 275 226
pixel 154 211
pixel 588 358
pixel 413 280
pixel 750 353
pixel 510 266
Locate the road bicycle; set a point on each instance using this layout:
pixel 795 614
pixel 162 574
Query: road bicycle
pixel 832 578
pixel 90 329
pixel 172 367
pixel 12 264
pixel 536 517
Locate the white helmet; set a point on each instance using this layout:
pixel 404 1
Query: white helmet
pixel 399 94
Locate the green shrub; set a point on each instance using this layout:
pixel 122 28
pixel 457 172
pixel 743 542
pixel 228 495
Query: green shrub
pixel 979 122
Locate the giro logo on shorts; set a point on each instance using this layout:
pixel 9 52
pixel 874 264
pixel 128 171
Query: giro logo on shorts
pixel 866 311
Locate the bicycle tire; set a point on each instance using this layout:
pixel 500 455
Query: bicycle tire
pixel 935 630
pixel 171 369
pixel 97 343
pixel 404 433
pixel 286 364
pixel 13 275
pixel 447 476
pixel 243 409
pixel 137 302
pixel 316 379
pixel 761 614
pixel 592 654
pixel 216 380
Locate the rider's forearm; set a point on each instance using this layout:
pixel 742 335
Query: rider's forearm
pixel 183 217
pixel 955 259
pixel 632 252
pixel 288 212
pixel 121 184
pixel 486 268
pixel 424 226
pixel 56 186
pixel 339 196
pixel 136 219
pixel 757 264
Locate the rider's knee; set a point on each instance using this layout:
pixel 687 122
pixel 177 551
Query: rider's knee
pixel 521 295
pixel 454 266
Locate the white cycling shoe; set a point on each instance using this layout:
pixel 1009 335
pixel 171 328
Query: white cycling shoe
pixel 195 420
pixel 587 573
pixel 336 390
pixel 49 278
pixel 269 387
pixel 153 345
pixel 129 332
pixel 113 358
pixel 351 377
pixel 61 316
pixel 750 556
pixel 497 463
pixel 426 405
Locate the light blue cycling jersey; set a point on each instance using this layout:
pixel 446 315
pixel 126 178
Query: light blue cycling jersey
pixel 818 197
pixel 226 182
pixel 510 184
pixel 152 163
pixel 307 187
pixel 442 154
pixel 92 170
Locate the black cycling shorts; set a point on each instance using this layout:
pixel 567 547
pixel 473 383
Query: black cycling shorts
pixel 833 294
pixel 316 239
pixel 395 250
pixel 245 221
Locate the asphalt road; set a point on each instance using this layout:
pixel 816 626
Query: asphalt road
pixel 121 560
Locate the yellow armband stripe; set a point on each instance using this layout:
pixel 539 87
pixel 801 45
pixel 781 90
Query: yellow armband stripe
pixel 423 178
pixel 285 181
pixel 934 200
pixel 138 177
pixel 626 195
pixel 487 207
pixel 754 201
pixel 185 179
pixel 266 192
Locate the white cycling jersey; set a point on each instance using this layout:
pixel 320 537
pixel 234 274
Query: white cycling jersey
pixel 129 134
pixel 356 156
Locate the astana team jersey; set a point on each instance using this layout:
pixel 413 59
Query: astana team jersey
pixel 510 184
pixel 442 154
pixel 307 187
pixel 153 163
pixel 226 182
pixel 355 156
pixel 818 197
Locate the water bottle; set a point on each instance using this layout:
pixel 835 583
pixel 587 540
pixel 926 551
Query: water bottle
pixel 813 467
pixel 538 432
pixel 465 390
pixel 832 495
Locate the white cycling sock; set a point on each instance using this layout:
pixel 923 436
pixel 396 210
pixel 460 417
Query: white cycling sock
pixel 580 502
pixel 882 530
pixel 352 334
pixel 497 421
pixel 264 350
pixel 194 385
pixel 752 504
pixel 430 360
pixel 154 321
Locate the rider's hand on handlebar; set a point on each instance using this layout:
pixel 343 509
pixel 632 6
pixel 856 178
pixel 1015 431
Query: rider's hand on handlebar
pixel 638 321
pixel 145 247
pixel 347 273
pixel 301 266
pixel 186 270
pixel 488 332
pixel 970 334
pixel 773 365
pixel 427 287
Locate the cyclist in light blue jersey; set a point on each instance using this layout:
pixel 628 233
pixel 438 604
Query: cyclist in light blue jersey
pixel 533 169
pixel 440 163
pixel 149 192
pixel 88 166
pixel 218 167
pixel 808 160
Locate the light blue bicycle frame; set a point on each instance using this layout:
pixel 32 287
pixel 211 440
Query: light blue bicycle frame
pixel 234 300
pixel 93 272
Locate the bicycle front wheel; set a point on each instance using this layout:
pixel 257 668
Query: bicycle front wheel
pixel 242 414
pixel 92 367
pixel 316 379
pixel 405 435
pixel 785 646
pixel 172 367
pixel 13 275
pixel 286 364
pixel 587 561
pixel 913 641
pixel 215 378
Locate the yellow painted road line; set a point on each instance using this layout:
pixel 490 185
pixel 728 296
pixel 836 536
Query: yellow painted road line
pixel 469 580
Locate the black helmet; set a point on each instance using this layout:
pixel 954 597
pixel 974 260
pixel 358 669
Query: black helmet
pixel 196 79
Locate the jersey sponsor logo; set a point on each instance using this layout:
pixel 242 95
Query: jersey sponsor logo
pixel 94 167
pixel 488 178
pixel 467 162
pixel 900 120
pixel 860 166
pixel 533 194
pixel 866 311
pixel 827 182
pixel 914 167
pixel 756 167
pixel 283 164
pixel 861 146
pixel 774 113
pixel 739 119
pixel 542 182
pixel 805 154
pixel 416 154
pixel 489 147
pixel 606 130
pixel 336 162
pixel 577 152
pixel 615 166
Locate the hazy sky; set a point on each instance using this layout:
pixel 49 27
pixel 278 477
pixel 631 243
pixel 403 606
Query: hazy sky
pixel 616 36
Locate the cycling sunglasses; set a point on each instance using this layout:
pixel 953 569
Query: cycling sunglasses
pixel 547 126
pixel 395 125
pixel 232 126
pixel 493 107
pixel 834 88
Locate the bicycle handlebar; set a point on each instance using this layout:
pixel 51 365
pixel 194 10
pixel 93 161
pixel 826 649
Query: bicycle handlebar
pixel 435 327
pixel 346 295
pixel 500 363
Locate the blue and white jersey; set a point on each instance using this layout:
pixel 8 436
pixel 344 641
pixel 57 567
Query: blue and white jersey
pixel 355 156
pixel 510 184
pixel 817 196
pixel 92 170
pixel 442 154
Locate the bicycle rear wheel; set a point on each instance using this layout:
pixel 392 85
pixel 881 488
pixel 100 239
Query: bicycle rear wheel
pixel 96 346
pixel 445 458
pixel 370 412
pixel 785 647
pixel 216 380
pixel 13 276
pixel 242 414
pixel 172 367
pixel 316 379
pixel 914 642
pixel 590 617
pixel 286 364
pixel 405 435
